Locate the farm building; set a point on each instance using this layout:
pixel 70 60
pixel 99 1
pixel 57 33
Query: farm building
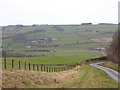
pixel 40 40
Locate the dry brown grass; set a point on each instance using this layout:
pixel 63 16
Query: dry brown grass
pixel 21 79
pixel 79 77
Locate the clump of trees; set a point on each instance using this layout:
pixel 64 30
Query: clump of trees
pixel 113 51
pixel 4 53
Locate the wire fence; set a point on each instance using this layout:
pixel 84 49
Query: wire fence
pixel 20 65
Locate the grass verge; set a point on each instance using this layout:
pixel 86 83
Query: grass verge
pixel 84 76
pixel 111 65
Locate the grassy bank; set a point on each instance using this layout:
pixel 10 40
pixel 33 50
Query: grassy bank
pixel 89 77
pixel 80 77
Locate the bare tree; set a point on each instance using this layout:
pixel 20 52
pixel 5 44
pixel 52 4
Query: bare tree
pixel 113 51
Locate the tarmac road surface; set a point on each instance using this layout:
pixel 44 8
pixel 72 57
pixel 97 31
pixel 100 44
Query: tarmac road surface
pixel 112 73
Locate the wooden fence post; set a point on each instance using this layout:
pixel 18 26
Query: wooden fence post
pixel 70 66
pixel 53 69
pixel 19 65
pixel 5 63
pixel 61 68
pixel 44 68
pixel 37 67
pixel 29 66
pixel 25 65
pixel 49 68
pixel 12 63
pixel 41 68
pixel 33 67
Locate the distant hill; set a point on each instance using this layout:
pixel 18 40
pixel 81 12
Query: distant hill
pixel 59 40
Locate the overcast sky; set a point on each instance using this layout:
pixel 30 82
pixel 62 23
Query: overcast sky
pixel 28 12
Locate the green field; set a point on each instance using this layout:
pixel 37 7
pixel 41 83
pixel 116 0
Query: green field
pixel 63 40
pixel 49 60
pixel 58 44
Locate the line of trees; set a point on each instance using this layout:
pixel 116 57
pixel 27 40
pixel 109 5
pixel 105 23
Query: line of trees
pixel 113 51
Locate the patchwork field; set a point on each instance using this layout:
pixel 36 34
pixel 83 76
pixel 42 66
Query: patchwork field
pixel 56 44
pixel 55 40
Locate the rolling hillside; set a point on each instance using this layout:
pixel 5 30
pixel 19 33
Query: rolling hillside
pixel 55 40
